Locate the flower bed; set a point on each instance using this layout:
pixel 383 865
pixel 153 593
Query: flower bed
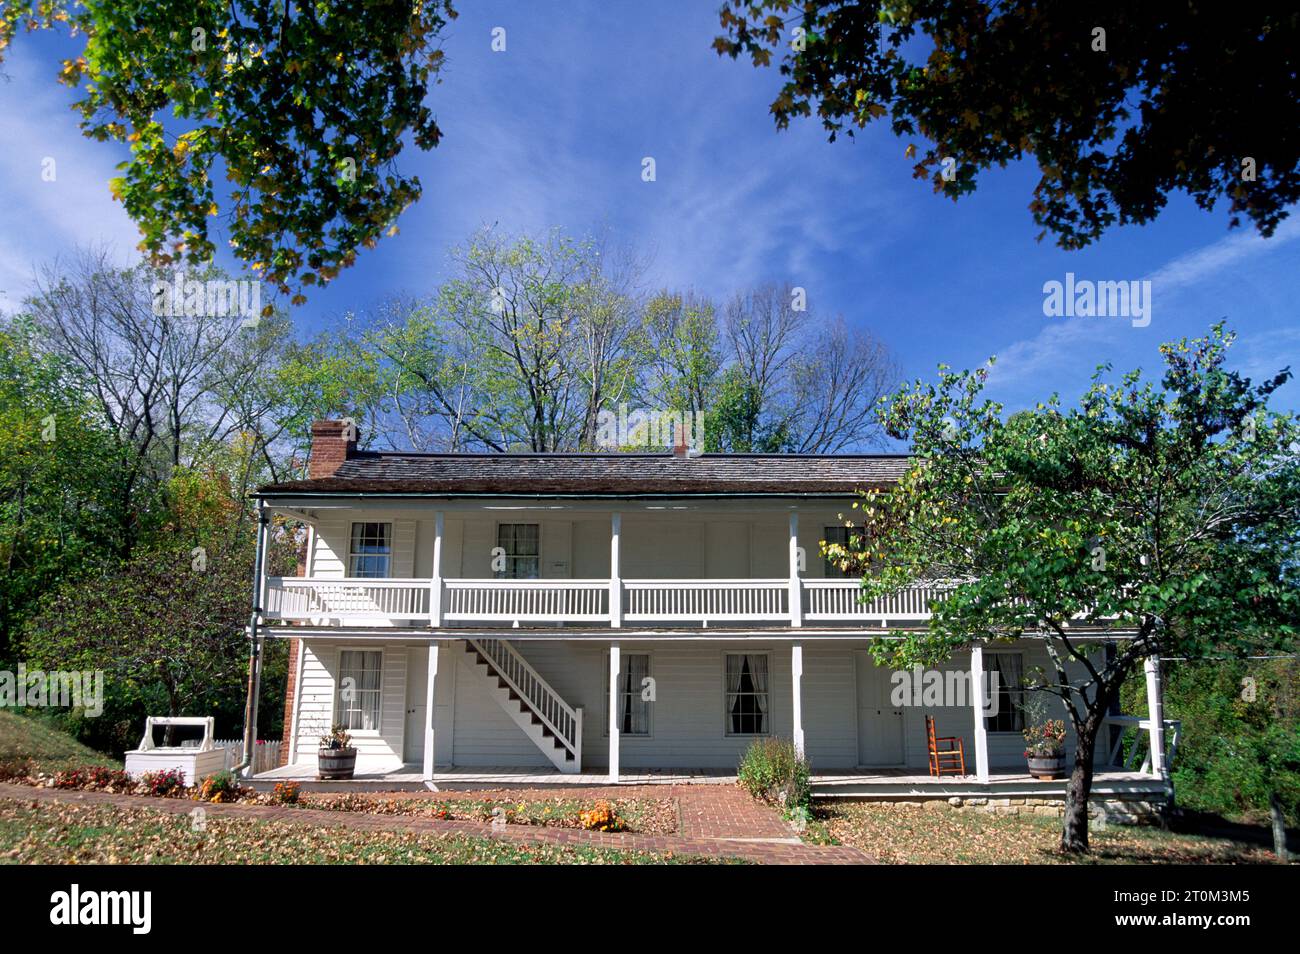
pixel 651 816
pixel 656 816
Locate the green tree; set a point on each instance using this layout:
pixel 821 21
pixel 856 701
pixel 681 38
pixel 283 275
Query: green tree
pixel 167 625
pixel 61 477
pixel 302 107
pixel 1119 103
pixel 1169 511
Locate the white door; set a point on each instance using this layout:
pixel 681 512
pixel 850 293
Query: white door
pixel 880 725
pixel 417 697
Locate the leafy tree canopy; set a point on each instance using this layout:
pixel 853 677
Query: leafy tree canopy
pixel 1119 103
pixel 301 107
pixel 1166 514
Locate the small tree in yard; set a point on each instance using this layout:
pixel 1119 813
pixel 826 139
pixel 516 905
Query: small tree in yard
pixel 1169 513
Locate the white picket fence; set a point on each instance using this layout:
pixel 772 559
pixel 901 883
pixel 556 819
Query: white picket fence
pixel 266 754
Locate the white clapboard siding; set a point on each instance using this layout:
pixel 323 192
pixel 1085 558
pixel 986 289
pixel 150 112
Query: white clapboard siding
pixel 317 706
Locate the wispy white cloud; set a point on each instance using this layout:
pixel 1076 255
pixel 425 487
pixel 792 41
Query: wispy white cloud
pixel 1064 353
pixel 1209 262
pixel 39 219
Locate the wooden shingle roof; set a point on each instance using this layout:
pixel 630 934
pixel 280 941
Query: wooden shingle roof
pixel 602 474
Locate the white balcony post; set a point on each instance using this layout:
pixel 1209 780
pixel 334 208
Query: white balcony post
pixel 430 712
pixel 615 573
pixel 1155 715
pixel 435 580
pixel 978 696
pixel 796 681
pixel 614 667
pixel 796 590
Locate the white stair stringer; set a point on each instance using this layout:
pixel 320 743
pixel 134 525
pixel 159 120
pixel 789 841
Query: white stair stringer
pixel 552 724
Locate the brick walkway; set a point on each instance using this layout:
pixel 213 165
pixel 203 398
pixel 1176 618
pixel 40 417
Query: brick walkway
pixel 716 820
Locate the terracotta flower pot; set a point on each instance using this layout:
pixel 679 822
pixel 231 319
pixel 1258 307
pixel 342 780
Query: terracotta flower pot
pixel 336 764
pixel 1047 766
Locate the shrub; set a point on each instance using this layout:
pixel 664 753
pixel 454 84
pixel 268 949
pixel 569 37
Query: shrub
pixel 601 817
pixel 286 793
pixel 772 772
pixel 219 787
pixel 167 783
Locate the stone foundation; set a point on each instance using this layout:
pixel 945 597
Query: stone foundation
pixel 1115 809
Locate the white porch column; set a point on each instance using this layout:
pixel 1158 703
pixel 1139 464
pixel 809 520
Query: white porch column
pixel 614 668
pixel 615 572
pixel 430 711
pixel 796 681
pixel 978 695
pixel 1155 714
pixel 435 578
pixel 796 588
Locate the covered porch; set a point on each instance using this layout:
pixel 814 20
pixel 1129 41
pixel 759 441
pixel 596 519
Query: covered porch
pixel 872 784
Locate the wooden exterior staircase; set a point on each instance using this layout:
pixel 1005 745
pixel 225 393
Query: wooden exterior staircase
pixel 554 726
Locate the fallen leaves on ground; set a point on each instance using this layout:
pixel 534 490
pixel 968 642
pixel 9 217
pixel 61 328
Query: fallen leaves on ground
pixel 911 834
pixel 64 833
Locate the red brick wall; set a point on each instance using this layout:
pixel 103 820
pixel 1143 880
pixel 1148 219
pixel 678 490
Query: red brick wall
pixel 291 686
pixel 330 447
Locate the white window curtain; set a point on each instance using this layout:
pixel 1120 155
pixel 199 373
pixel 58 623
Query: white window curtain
pixel 359 694
pixel 633 711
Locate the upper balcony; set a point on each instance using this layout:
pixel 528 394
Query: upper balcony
pixel 582 540
pixel 593 602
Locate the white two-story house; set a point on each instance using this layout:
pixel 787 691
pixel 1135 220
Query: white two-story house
pixel 606 615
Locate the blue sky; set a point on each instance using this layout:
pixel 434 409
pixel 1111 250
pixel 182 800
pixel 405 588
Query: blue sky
pixel 552 132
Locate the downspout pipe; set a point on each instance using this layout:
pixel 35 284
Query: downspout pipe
pixel 244 768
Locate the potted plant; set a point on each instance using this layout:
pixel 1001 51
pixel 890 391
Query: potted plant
pixel 337 759
pixel 1044 741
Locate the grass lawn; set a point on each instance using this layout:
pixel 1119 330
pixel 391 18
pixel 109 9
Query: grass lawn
pixel 910 834
pixel 51 833
pixel 52 750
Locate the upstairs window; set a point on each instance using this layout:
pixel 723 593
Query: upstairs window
pixel 746 694
pixel 840 535
pixel 520 547
pixel 370 549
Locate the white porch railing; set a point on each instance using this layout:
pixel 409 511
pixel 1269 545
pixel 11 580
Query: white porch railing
pixel 360 600
pixel 312 599
pixel 841 599
pixel 705 600
pixel 557 715
pixel 532 601
pixel 1133 741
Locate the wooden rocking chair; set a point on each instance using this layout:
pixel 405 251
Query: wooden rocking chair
pixel 947 753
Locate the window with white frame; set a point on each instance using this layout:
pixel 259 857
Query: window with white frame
pixel 745 695
pixel 521 545
pixel 359 696
pixel 633 707
pixel 1010 669
pixel 370 549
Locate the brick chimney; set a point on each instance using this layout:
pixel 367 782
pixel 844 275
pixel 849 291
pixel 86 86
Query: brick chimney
pixel 681 449
pixel 332 442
